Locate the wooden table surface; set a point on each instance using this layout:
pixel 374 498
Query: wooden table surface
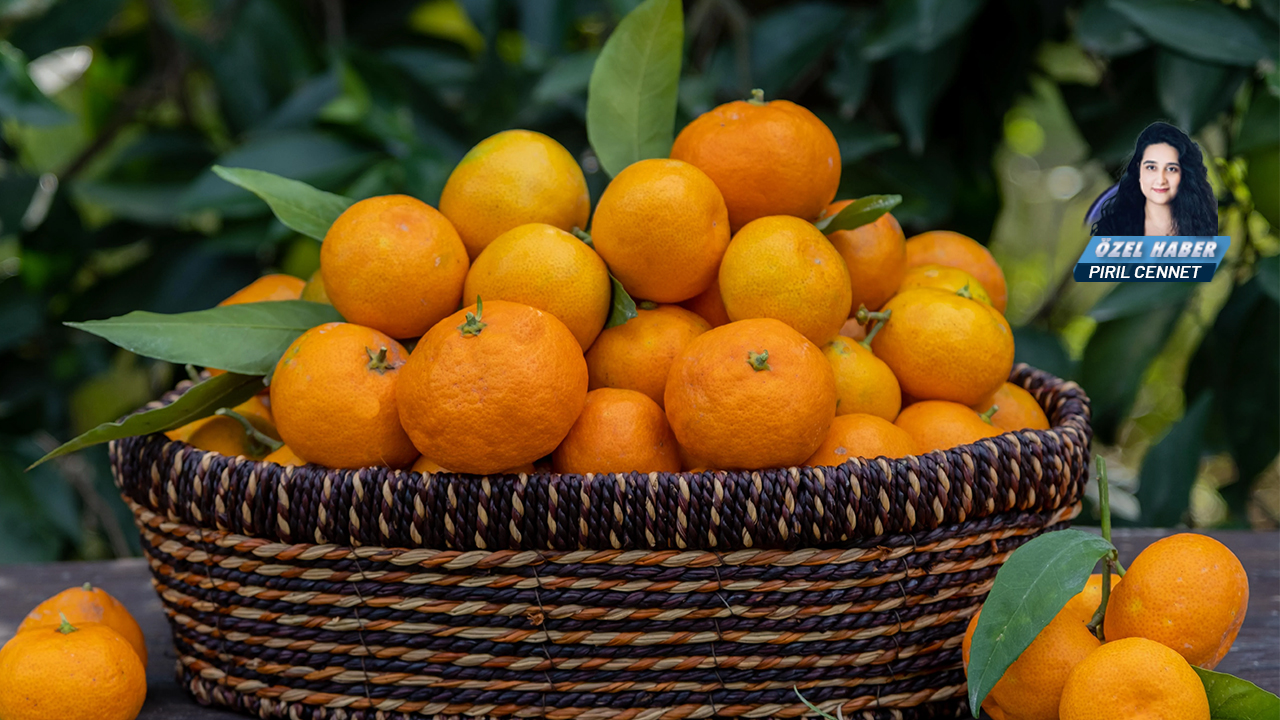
pixel 1255 655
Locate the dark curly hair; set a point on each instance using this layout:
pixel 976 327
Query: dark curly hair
pixel 1195 209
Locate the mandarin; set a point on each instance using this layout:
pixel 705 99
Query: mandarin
pixel 511 179
pixel 943 247
pixel 751 394
pixel 314 290
pixel 767 158
pixel 784 268
pixel 876 255
pixel 709 305
pixel 942 346
pixel 393 263
pixel 662 227
pixel 71 672
pixel 267 288
pixel 87 604
pixel 493 386
pixel 942 425
pixel 1032 686
pixel 334 398
pixel 941 277
pixel 618 431
pixel 1016 409
pixel 1133 679
pixel 1164 598
pixel 637 354
pixel 862 436
pixel 547 268
pixel 284 456
pixel 864 383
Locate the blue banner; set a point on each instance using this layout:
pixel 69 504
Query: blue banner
pixel 1151 259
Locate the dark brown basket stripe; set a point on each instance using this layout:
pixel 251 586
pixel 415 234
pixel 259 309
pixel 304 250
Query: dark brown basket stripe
pixel 308 593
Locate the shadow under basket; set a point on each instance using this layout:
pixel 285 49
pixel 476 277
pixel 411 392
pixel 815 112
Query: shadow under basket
pixel 310 593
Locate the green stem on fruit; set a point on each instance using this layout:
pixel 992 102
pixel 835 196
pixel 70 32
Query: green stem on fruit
pixel 757 97
pixel 584 236
pixel 965 292
pixel 647 305
pixel 758 360
pixel 991 411
pixel 1104 504
pixel 880 317
pixel 474 325
pixel 378 360
pixel 66 628
pixel 1100 615
pixel 864 316
pixel 87 587
pixel 260 444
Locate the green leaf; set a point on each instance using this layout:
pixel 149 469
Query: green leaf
pixel 298 205
pixel 859 212
pixel 919 25
pixel 1031 588
pixel 226 390
pixel 788 41
pixel 622 308
pixel 567 77
pixel 631 99
pixel 1042 349
pixel 1170 467
pixel 20 99
pixel 1194 92
pixel 1105 32
pixel 246 338
pixel 1232 698
pixel 919 79
pixel 1205 30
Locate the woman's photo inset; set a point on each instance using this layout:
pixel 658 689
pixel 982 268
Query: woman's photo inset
pixel 1164 190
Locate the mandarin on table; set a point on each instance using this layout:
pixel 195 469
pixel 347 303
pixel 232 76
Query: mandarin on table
pixel 334 398
pixel 1031 688
pixel 87 604
pixel 393 263
pixel 1016 409
pixel 662 227
pixel 941 277
pixel 1133 679
pixel 767 158
pixel 943 247
pixel 751 394
pixel 862 436
pixel 71 672
pixel 1163 598
pixel 510 179
pixel 493 386
pixel 864 383
pixel 942 425
pixel 876 255
pixel 784 268
pixel 942 346
pixel 547 268
pixel 618 431
pixel 637 354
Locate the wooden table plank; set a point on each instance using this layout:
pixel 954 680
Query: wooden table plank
pixel 1255 655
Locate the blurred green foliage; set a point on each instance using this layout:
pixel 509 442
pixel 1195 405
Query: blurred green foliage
pixel 113 112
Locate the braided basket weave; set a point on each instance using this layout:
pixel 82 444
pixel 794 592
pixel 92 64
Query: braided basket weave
pixel 310 593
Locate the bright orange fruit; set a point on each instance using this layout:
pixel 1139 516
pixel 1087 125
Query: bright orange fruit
pixel 1133 679
pixel 492 387
pixel 87 604
pixel 1016 409
pixel 637 354
pixel 510 179
pixel 72 672
pixel 618 431
pixel 662 227
pixel 864 383
pixel 709 305
pixel 862 436
pixel 942 425
pixel 751 394
pixel 334 398
pixel 876 255
pixel 943 247
pixel 767 158
pixel 267 288
pixel 394 264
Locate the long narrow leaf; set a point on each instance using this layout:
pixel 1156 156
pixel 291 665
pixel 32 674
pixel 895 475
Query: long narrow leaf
pixel 226 390
pixel 298 205
pixel 859 212
pixel 1231 698
pixel 1031 588
pixel 246 338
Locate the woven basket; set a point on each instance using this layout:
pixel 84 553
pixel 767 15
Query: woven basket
pixel 313 593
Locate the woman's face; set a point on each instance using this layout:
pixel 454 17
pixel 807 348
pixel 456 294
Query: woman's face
pixel 1159 173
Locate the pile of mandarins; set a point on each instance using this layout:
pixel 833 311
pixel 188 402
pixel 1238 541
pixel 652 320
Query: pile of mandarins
pixel 758 341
